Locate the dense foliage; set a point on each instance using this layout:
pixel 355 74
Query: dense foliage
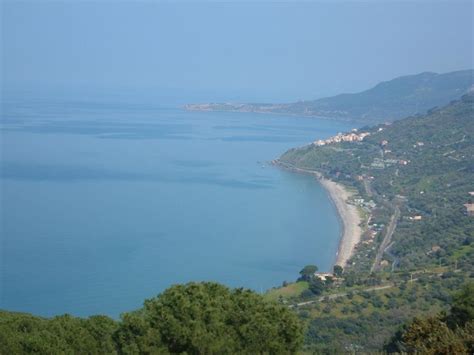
pixel 26 334
pixel 197 318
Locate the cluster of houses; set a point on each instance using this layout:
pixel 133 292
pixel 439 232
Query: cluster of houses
pixel 372 228
pixel 366 205
pixel 340 137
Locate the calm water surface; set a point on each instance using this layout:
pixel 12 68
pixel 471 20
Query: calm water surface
pixel 106 204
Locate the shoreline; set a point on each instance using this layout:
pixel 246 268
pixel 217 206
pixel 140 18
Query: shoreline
pixel 351 232
pixel 301 115
pixel 348 214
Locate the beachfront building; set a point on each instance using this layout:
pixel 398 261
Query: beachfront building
pixel 323 275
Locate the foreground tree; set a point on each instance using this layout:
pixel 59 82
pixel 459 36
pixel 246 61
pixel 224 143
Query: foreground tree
pixel 432 336
pixel 26 334
pixel 462 311
pixel 197 318
pixel 451 334
pixel 208 318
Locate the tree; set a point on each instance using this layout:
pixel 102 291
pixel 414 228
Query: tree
pixel 431 336
pixel 317 286
pixel 134 336
pixel 196 318
pixel 338 270
pixel 329 281
pixel 307 272
pixel 24 334
pixel 452 334
pixel 208 318
pixel 462 310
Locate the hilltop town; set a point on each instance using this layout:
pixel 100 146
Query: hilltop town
pixel 341 137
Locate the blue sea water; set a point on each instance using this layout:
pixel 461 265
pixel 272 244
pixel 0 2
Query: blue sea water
pixel 105 204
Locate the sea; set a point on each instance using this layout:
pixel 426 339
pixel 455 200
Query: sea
pixel 108 201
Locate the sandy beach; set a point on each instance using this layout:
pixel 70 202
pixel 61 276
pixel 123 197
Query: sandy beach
pixel 349 215
pixel 351 231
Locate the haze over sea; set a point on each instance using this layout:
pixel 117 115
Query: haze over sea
pixel 106 202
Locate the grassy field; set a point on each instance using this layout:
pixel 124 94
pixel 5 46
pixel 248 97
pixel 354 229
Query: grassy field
pixel 289 291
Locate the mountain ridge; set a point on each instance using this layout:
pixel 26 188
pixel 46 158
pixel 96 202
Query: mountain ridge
pixel 387 101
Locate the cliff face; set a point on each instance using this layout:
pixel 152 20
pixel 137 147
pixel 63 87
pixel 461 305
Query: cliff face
pixel 387 101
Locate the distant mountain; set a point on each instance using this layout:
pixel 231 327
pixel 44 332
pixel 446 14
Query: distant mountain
pixel 387 101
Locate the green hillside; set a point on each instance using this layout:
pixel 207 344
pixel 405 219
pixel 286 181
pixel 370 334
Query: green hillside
pixel 387 101
pixel 394 99
pixel 422 164
pixel 415 175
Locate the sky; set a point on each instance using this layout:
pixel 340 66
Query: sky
pixel 258 51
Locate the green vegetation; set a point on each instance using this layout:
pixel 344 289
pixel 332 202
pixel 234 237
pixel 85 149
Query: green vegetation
pixel 288 291
pixel 414 175
pixel 26 334
pixel 338 270
pixel 307 273
pixel 428 165
pixel 441 334
pixel 363 312
pixel 197 318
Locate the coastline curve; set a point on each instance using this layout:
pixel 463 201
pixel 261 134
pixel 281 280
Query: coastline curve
pixel 348 214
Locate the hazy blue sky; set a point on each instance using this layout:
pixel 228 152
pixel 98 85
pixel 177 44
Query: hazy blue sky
pixel 266 50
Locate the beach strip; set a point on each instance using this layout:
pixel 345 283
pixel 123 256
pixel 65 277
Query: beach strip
pixel 350 218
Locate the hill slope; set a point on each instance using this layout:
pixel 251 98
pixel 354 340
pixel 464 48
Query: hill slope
pixel 425 166
pixel 387 101
pixel 417 173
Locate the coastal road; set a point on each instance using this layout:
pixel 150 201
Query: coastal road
pixel 386 240
pixel 342 294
